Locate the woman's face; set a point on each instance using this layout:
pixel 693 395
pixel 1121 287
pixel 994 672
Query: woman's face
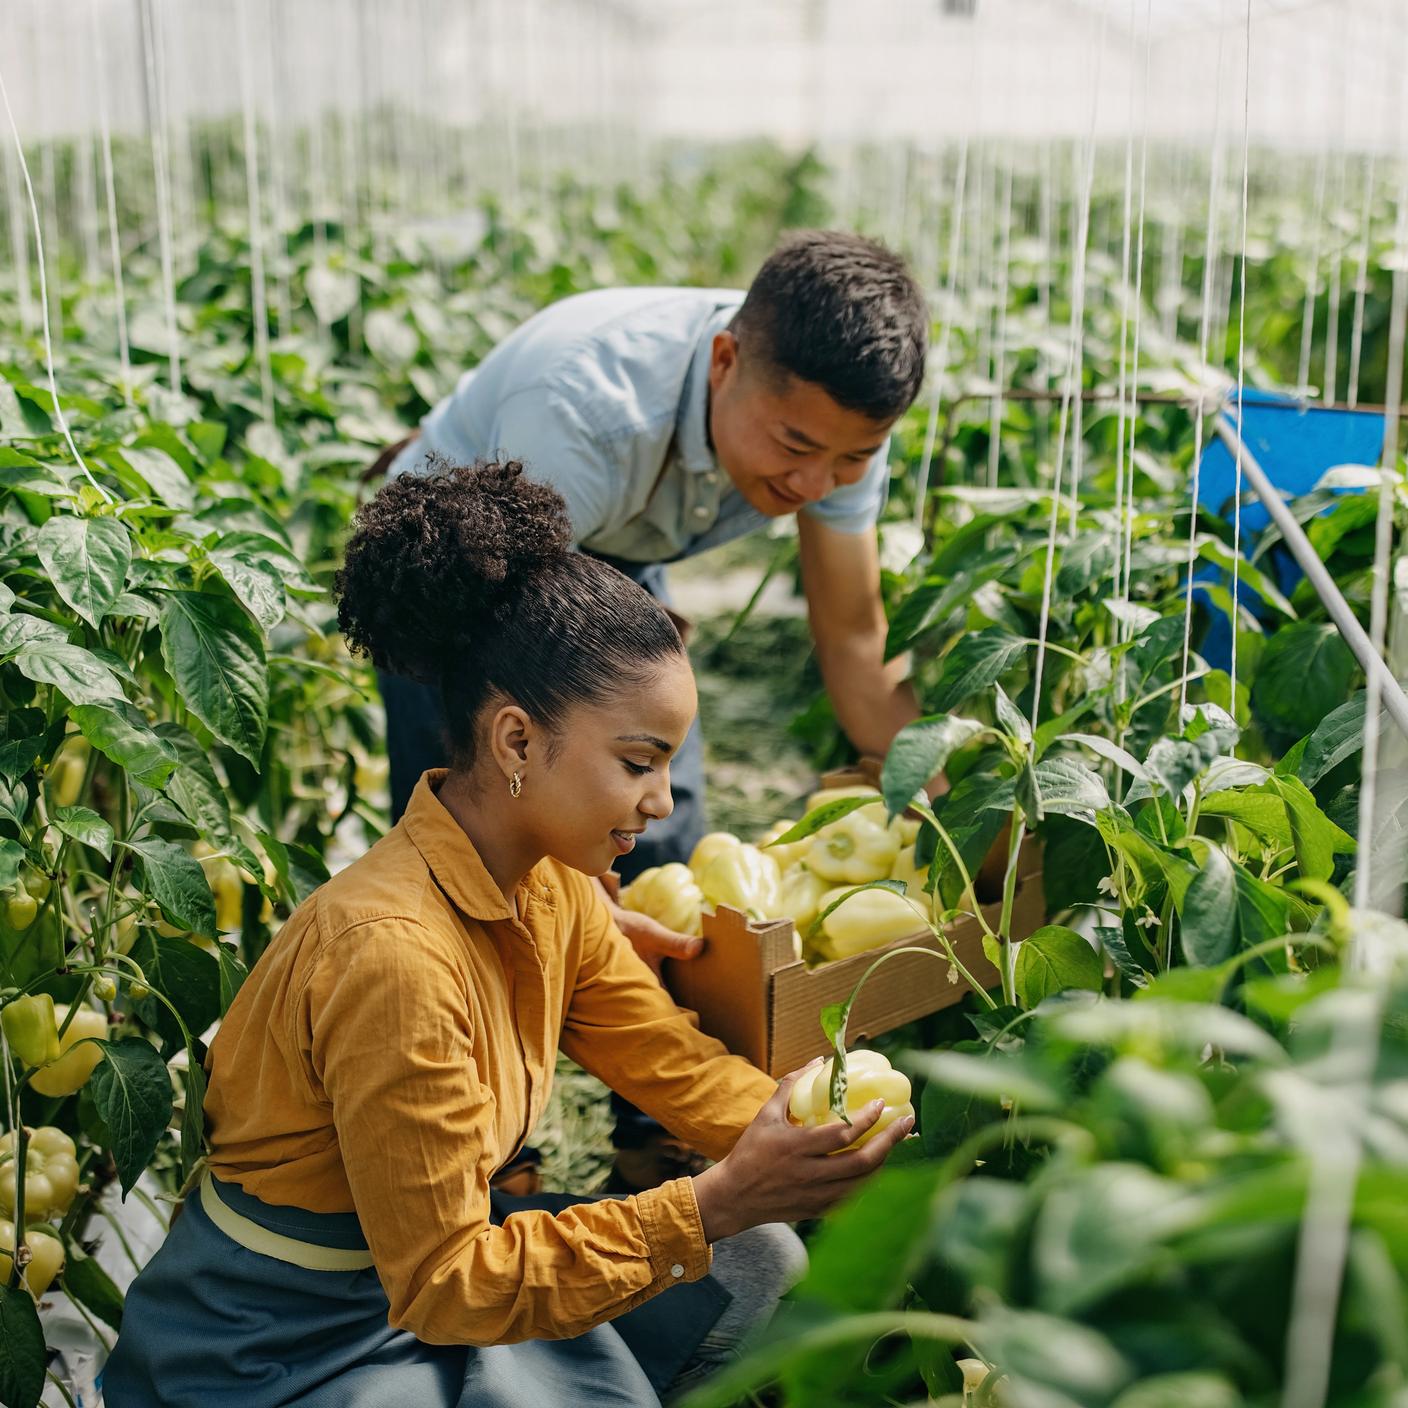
pixel 607 775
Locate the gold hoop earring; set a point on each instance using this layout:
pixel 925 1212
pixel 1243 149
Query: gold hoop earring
pixel 515 785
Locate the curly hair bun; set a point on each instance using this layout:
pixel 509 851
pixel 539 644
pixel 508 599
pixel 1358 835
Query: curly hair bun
pixel 437 559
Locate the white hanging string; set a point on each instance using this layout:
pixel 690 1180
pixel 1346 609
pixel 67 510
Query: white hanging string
pixel 157 121
pixel 19 243
pixel 931 430
pixel 1199 416
pixel 1332 297
pixel 259 306
pixel 999 373
pixel 124 354
pixel 1070 390
pixel 1312 283
pixel 1138 307
pixel 44 295
pixel 1124 409
pixel 1241 356
pixel 1361 284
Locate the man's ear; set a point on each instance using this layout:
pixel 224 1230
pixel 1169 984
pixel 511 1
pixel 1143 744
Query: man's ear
pixel 723 359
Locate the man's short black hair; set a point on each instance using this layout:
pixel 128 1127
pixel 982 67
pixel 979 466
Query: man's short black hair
pixel 842 312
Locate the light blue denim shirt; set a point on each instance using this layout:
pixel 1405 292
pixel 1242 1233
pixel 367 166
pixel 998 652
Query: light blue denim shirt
pixel 606 396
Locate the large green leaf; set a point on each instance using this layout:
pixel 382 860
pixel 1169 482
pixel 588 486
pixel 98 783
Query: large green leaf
pixel 1055 959
pixel 1304 675
pixel 92 1287
pixel 86 559
pixel 976 662
pixel 84 825
pixel 187 976
pixel 863 1255
pixel 132 1092
pixel 76 673
pixel 215 654
pixel 174 878
pixel 257 584
pixel 22 1352
pixel 1339 735
pixel 1316 838
pixel 918 754
pixel 119 730
pixel 1208 916
pixel 1067 787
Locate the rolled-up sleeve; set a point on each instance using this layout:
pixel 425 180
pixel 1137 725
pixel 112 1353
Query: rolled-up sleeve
pixel 391 1049
pixel 625 1029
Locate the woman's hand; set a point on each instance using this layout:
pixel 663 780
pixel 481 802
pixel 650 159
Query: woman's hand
pixel 782 1172
pixel 650 938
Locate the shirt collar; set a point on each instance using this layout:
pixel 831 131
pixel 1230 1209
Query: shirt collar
pixel 692 427
pixel 450 854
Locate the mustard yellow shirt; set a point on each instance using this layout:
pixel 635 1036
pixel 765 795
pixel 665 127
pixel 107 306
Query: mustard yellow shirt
pixel 394 1047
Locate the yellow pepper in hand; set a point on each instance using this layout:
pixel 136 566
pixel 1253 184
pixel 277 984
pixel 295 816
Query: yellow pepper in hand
pixel 743 878
pixel 868 919
pixel 76 1063
pixel 32 1029
pixel 869 1076
pixel 46 1258
pixel 857 848
pixel 670 894
pixel 50 1174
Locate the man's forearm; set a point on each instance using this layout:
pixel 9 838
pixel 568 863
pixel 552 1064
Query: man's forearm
pixel 872 698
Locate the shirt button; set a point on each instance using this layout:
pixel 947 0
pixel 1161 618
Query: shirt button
pixel 711 478
pixel 702 513
pixel 677 1271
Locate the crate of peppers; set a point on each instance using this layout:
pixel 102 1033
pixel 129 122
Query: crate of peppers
pixel 789 928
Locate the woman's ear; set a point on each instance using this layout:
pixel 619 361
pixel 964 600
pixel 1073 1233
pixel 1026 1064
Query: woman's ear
pixel 511 732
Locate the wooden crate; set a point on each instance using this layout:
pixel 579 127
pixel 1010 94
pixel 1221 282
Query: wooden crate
pixel 763 1002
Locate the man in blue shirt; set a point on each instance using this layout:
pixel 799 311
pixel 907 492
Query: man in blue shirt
pixel 674 419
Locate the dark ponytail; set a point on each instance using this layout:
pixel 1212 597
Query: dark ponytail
pixel 465 578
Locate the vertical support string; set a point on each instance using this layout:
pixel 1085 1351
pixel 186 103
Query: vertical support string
pixel 124 352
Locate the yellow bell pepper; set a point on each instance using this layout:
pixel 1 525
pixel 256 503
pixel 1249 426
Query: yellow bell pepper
pixel 46 1258
pixel 835 794
pixel 76 1063
pixel 50 1174
pixel 915 878
pixel 906 828
pixel 31 1028
pixel 227 884
pixel 668 893
pixel 66 771
pixel 743 878
pixel 800 900
pixel 868 919
pixel 869 1076
pixel 715 843
pixel 791 852
pixel 857 848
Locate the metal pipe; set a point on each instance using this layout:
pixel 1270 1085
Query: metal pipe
pixel 1395 702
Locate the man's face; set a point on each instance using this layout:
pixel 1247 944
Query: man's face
pixel 783 445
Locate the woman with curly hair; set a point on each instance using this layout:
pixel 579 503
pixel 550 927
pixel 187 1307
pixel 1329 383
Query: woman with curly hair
pixel 395 1044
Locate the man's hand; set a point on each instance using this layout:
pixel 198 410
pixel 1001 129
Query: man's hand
pixel 651 939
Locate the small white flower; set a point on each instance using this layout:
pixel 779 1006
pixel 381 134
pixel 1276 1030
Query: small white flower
pixel 1149 920
pixel 1108 887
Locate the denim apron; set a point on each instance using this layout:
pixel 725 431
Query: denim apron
pixel 211 1322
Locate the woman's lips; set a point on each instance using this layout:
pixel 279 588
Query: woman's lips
pixel 624 841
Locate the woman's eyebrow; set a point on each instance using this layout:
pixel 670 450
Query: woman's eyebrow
pixel 658 744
